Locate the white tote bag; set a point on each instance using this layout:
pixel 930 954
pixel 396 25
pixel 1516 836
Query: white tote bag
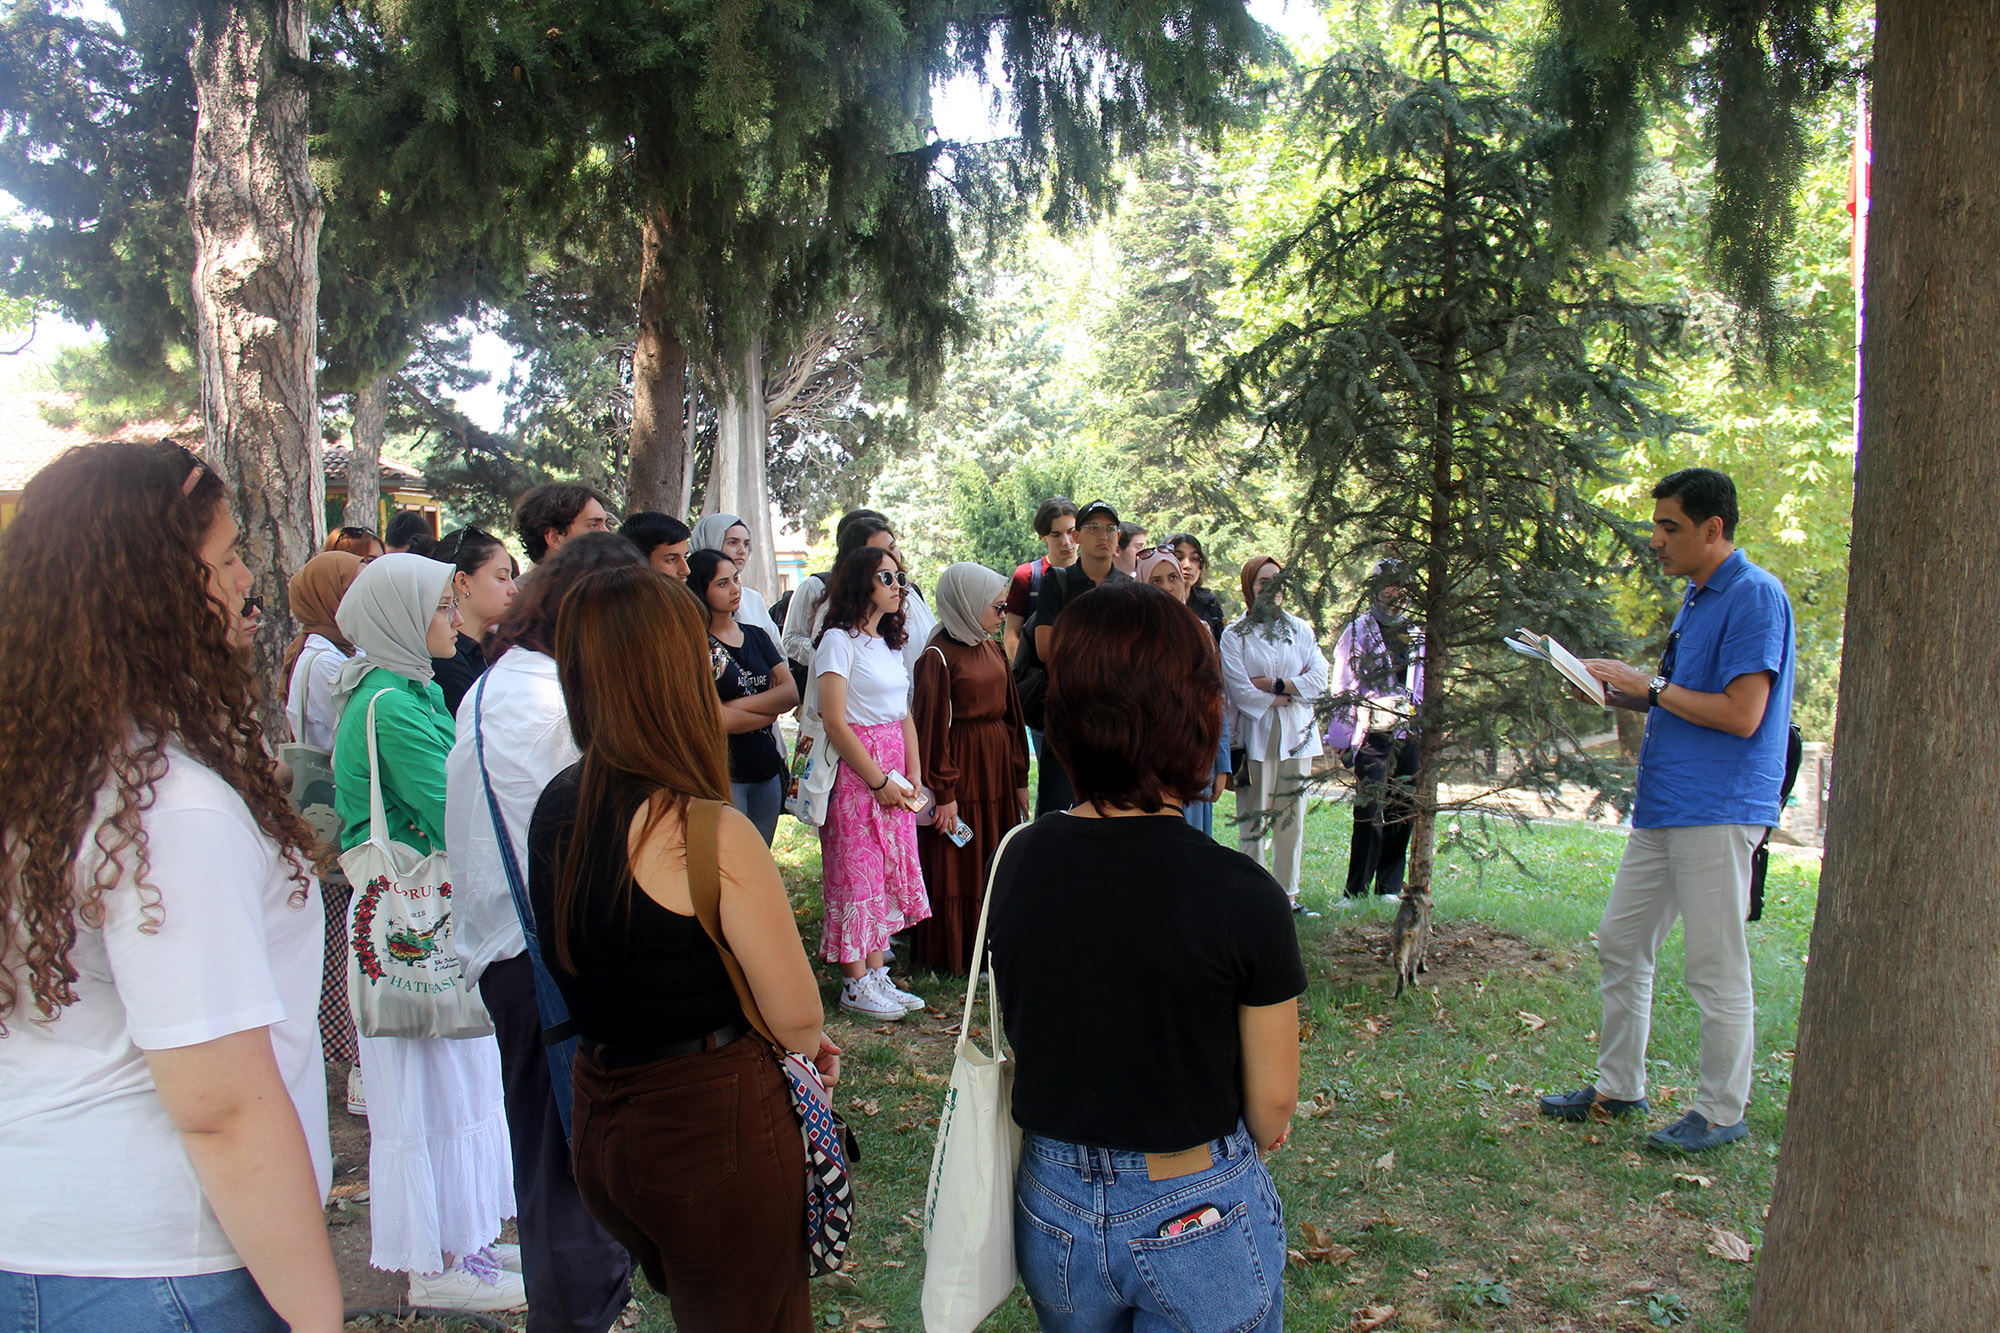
pixel 403 976
pixel 969 1207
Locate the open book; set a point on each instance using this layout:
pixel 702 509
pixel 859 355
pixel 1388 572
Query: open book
pixel 1542 648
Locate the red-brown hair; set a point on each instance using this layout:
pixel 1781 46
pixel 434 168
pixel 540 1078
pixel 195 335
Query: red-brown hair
pixel 632 655
pixel 1134 707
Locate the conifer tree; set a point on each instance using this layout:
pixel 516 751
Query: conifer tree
pixel 1453 386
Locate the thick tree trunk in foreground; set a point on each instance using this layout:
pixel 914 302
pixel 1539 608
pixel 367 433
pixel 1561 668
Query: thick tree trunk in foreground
pixel 256 215
pixel 1887 1208
pixel 364 455
pixel 657 473
pixel 738 482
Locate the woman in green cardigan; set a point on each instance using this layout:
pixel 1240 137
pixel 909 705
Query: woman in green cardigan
pixel 440 1173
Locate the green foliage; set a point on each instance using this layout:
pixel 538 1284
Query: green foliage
pixel 108 396
pixel 1756 73
pixel 1456 384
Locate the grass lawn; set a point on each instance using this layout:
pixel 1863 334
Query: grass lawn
pixel 1417 1158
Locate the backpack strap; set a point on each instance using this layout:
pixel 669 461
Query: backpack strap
pixel 704 872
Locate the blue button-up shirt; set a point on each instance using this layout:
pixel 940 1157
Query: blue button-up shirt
pixel 1740 621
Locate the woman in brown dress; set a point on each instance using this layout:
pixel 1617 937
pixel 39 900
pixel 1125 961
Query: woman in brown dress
pixel 975 748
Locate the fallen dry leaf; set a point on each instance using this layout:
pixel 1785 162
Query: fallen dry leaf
pixel 1320 1105
pixel 1387 1161
pixel 1370 1317
pixel 1728 1245
pixel 1699 1182
pixel 1532 1022
pixel 1515 1088
pixel 872 1321
pixel 870 1107
pixel 1319 1246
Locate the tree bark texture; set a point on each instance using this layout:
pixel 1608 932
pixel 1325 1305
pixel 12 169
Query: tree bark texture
pixel 738 482
pixel 657 470
pixel 364 456
pixel 255 215
pixel 1886 1213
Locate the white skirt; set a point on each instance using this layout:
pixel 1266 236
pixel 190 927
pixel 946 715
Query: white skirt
pixel 440 1171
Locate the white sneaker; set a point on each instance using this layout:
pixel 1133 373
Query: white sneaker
pixel 471 1285
pixel 911 1003
pixel 357 1096
pixel 507 1256
pixel 860 995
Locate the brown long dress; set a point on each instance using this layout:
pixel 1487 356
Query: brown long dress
pixel 972 737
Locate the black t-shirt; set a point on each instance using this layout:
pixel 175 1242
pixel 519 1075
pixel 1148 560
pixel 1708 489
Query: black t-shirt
pixel 1122 949
pixel 644 976
pixel 740 673
pixel 457 674
pixel 1209 607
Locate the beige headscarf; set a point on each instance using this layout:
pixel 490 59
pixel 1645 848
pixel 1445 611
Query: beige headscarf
pixel 1151 561
pixel 964 591
pixel 387 615
pixel 316 591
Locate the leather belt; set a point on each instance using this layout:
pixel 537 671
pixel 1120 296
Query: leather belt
pixel 626 1057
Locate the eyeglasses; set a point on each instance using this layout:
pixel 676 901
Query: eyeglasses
pixel 1101 529
pixel 893 578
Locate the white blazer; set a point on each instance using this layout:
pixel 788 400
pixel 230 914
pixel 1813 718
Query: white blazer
pixel 1284 650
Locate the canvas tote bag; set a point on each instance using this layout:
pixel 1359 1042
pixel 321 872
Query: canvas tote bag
pixel 969 1205
pixel 403 976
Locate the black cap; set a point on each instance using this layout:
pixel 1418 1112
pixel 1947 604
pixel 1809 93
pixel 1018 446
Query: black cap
pixel 1085 513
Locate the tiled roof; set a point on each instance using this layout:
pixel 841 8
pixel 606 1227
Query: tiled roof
pixel 29 442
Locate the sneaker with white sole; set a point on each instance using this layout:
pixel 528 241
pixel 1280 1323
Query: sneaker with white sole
pixel 911 1003
pixel 860 995
pixel 357 1096
pixel 507 1256
pixel 474 1285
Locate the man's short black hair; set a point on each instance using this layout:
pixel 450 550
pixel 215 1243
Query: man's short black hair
pixel 410 530
pixel 1049 511
pixel 1126 532
pixel 649 530
pixel 1703 493
pixel 554 505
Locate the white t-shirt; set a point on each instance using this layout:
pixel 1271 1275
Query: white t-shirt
pixel 98 1183
pixel 878 684
pixel 309 697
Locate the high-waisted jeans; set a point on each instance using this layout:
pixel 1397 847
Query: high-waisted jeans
pixel 227 1302
pixel 1087 1236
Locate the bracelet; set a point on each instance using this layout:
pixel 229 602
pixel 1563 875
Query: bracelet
pixel 880 785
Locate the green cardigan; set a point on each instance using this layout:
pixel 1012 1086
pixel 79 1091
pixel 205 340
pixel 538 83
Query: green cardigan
pixel 413 734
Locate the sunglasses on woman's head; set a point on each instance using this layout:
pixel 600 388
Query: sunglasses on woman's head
pixel 893 578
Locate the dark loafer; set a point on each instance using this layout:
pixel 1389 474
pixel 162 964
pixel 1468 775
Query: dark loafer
pixel 1692 1134
pixel 1576 1105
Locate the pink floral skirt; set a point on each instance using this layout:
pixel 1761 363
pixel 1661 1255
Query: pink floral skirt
pixel 870 876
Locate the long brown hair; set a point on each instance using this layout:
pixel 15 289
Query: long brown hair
pixel 530 620
pixel 852 596
pixel 110 649
pixel 658 728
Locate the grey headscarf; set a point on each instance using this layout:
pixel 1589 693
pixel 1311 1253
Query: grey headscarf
pixel 964 591
pixel 709 532
pixel 387 615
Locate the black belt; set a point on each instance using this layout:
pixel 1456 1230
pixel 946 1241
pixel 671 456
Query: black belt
pixel 625 1057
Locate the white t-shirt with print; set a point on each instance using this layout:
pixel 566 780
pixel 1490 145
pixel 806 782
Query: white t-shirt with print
pixel 98 1183
pixel 878 684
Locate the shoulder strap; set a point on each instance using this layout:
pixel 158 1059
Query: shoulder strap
pixel 979 969
pixel 704 872
pixel 378 817
pixel 295 709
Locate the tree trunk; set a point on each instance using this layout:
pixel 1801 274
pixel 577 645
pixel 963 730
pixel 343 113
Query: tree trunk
pixel 657 474
pixel 738 482
pixel 1887 1207
pixel 364 456
pixel 255 215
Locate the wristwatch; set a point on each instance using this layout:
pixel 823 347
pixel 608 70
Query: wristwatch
pixel 1653 688
pixel 1278 687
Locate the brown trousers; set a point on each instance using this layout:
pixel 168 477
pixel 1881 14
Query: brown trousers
pixel 695 1165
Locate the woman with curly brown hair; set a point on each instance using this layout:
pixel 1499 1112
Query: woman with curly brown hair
pixel 163 1133
pixel 871 880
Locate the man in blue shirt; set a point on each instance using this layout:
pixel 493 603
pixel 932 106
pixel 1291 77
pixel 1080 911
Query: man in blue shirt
pixel 1718 714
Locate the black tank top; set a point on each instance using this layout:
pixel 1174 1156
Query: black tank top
pixel 644 976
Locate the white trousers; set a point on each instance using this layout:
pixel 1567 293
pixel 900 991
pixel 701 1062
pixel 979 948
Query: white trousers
pixel 1702 876
pixel 1278 786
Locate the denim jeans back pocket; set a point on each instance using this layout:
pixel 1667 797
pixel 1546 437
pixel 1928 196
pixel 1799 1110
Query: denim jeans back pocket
pixel 1042 1251
pixel 1208 1280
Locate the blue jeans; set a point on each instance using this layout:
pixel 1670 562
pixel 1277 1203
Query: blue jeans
pixel 226 1302
pixel 1086 1236
pixel 762 802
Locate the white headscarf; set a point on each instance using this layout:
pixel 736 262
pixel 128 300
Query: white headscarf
pixel 387 615
pixel 709 532
pixel 964 591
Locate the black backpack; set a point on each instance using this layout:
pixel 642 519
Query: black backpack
pixel 1760 860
